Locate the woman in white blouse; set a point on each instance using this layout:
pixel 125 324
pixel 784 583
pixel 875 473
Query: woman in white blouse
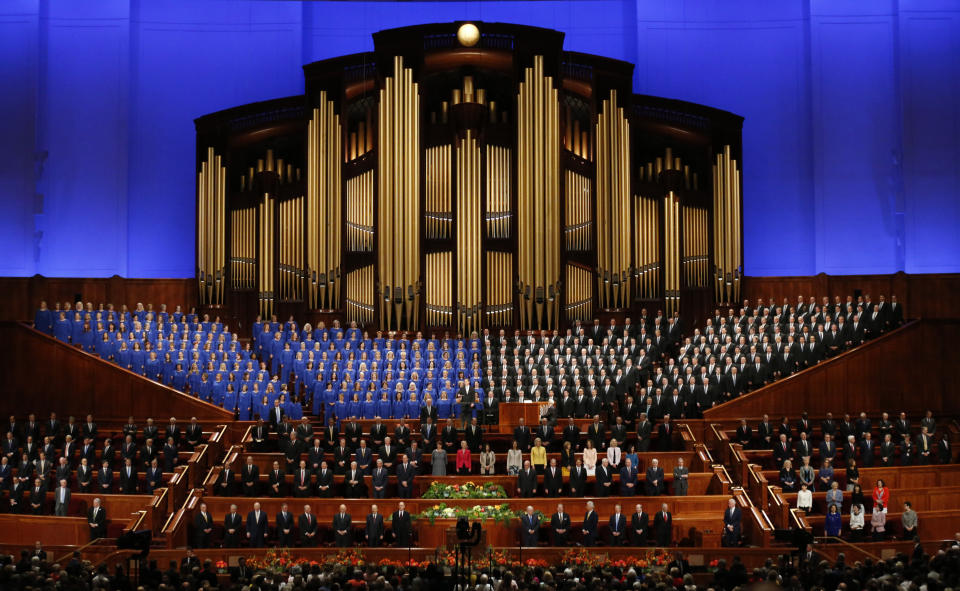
pixel 590 458
pixel 614 455
pixel 804 498
pixel 856 522
pixel 514 459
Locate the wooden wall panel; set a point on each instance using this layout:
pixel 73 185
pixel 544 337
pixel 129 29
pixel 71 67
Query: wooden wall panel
pixel 923 296
pixel 44 375
pixel 882 375
pixel 22 295
pixel 54 531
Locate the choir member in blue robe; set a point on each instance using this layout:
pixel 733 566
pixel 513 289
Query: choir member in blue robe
pixel 286 363
pixel 384 407
pixel 369 407
pixel 229 400
pixel 219 390
pixel 180 378
pixel 152 367
pixel 106 349
pixel 413 406
pixel 294 409
pixel 244 402
pixel 355 409
pixel 261 407
pixel 43 319
pixel 341 408
pixel 124 356
pixel 137 358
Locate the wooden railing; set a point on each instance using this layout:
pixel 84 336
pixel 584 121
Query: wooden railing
pixel 175 529
pixel 778 509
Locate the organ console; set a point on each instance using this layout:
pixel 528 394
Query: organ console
pixel 431 184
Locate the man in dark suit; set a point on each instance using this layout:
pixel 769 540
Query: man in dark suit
pixel 474 436
pixel 553 479
pixel 97 520
pixel 663 526
pixel 308 528
pixel 105 479
pixel 604 478
pixel 828 448
pixel 925 447
pixel 275 415
pixel 618 527
pixel 232 523
pixel 379 480
pixel 867 450
pixel 401 525
pixel 655 484
pixel 84 476
pixel 529 528
pixel 284 527
pixel 589 529
pixel 374 531
pixel 665 433
pixel 324 481
pixel 342 528
pixel 560 526
pixel 521 434
pixel 194 433
pixel 644 433
pixel 259 434
pixel 731 524
pixel 944 453
pixel 38 495
pixel 257 527
pixel 527 480
pixel 429 411
pixel 129 482
pixel 782 450
pixel 355 486
pixel 378 434
pixel 302 485
pixel 639 527
pixel 578 479
pixel 202 527
pixel 428 435
pixel 341 457
pixel 251 478
pixel 406 474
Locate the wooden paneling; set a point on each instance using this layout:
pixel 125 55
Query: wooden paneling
pixel 22 295
pixel 43 375
pixel 922 296
pixel 24 530
pixel 881 375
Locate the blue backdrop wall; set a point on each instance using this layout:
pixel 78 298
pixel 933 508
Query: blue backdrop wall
pixel 851 139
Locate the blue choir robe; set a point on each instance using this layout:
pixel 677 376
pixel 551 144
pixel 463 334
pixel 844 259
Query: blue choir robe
pixel 354 408
pixel 125 358
pixel 369 409
pixel 105 350
pixel 138 359
pixel 43 321
pixel 342 410
pixel 243 406
pixel 384 408
pixel 219 391
pixel 293 410
pixel 204 390
pixel 229 401
pixel 152 368
pixel 413 408
pixel 76 329
pixel 180 380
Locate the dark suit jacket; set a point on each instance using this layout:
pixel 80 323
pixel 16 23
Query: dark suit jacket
pixel 663 528
pixel 308 525
pixel 590 523
pixel 527 523
pixel 401 528
pixel 655 474
pixel 639 528
pixel 578 481
pixel 374 531
pixel 556 523
pixel 99 529
pixel 527 482
pixel 257 528
pixel 344 523
pixel 731 538
pixel 202 538
pixel 234 523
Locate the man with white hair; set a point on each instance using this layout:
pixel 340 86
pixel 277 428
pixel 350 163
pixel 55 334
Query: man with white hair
pixel 97 520
pixel 589 530
pixel 529 528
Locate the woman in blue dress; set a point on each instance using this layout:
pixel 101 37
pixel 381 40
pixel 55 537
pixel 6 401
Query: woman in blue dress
pixel 137 358
pixel 369 407
pixel 355 409
pixel 834 522
pixel 229 400
pixel 341 408
pixel 384 406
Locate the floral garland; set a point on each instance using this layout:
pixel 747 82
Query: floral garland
pixel 469 490
pixel 280 562
pixel 584 558
pixel 498 513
